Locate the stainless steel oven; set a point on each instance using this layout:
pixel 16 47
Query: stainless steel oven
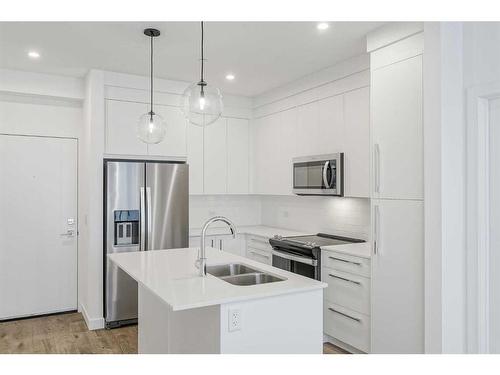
pixel 319 175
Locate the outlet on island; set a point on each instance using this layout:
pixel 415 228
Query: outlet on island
pixel 234 320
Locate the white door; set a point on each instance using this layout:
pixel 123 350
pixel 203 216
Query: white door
pixel 38 211
pixel 494 245
pixel 397 132
pixel 397 277
pixel 195 158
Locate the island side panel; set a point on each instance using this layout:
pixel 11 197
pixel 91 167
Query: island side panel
pixel 286 324
pixel 163 331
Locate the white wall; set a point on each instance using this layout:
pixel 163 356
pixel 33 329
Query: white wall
pixel 342 216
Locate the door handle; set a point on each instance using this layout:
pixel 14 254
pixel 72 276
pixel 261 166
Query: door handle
pixel 325 177
pixel 344 279
pixel 346 261
pixel 148 208
pixel 220 245
pixel 345 315
pixel 69 233
pixel 143 219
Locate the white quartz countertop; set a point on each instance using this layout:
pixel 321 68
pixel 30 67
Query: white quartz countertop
pixel 362 250
pixel 172 276
pixel 256 230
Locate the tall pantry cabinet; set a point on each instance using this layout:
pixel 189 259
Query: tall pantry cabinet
pixel 397 192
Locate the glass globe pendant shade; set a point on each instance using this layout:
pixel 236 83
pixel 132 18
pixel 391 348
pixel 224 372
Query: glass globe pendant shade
pixel 151 128
pixel 202 104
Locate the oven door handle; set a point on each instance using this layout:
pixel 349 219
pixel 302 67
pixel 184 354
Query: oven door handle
pixel 295 258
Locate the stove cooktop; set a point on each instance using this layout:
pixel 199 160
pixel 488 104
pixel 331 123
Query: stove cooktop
pixel 317 240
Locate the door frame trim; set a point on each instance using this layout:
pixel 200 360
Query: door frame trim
pixel 477 218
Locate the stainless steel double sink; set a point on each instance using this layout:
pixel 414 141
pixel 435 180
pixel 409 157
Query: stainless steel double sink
pixel 241 274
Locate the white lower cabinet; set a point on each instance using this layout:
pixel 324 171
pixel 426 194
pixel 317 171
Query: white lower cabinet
pixel 222 242
pixel 347 325
pixel 259 249
pixel 347 299
pixel 398 277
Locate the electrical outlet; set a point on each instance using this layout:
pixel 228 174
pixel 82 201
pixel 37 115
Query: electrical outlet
pixel 234 320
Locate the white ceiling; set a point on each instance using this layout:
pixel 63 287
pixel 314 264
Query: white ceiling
pixel 262 55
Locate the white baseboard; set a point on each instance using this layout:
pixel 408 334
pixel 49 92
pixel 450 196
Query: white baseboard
pixel 92 323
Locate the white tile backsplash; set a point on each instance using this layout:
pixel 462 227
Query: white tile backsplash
pixel 333 215
pixel 241 209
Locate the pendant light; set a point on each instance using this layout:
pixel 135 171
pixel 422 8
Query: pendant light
pixel 201 103
pixel 151 128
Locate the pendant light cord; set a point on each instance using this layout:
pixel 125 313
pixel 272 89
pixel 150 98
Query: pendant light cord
pixel 151 84
pixel 202 56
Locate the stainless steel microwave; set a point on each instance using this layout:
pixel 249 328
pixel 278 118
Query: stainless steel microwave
pixel 319 175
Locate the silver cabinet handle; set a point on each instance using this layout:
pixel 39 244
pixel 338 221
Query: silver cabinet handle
pixel 345 315
pixel 344 279
pixel 69 233
pixel 345 261
pixel 212 243
pixel 259 254
pixel 376 160
pixel 143 219
pixel 220 245
pixel 376 229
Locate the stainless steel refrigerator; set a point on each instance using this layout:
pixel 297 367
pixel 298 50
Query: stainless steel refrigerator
pixel 146 207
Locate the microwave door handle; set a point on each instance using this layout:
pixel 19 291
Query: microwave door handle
pixel 325 174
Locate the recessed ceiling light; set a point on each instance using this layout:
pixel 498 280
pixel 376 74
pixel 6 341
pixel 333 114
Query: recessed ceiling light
pixel 33 54
pixel 230 77
pixel 322 26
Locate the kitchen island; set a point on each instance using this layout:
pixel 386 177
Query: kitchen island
pixel 182 312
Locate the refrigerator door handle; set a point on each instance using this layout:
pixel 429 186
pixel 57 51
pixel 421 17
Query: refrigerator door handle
pixel 148 208
pixel 142 245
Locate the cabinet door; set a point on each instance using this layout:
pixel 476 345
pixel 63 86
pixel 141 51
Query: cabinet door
pixel 396 111
pixel 121 128
pixel 357 143
pixel 308 136
pixel 286 135
pixel 397 277
pixel 264 157
pixel 237 156
pixel 174 143
pixel 195 158
pixel 331 132
pixel 215 173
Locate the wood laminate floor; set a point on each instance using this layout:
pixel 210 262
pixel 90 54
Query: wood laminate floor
pixel 68 334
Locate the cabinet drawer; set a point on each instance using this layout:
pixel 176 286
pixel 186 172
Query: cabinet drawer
pixel 347 290
pixel 259 255
pixel 347 326
pixel 261 243
pixel 346 263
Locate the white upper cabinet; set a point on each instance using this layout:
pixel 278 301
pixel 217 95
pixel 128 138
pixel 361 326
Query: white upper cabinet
pixel 308 133
pixel 174 144
pixel 195 158
pixel 121 128
pixel 397 130
pixel 237 156
pixel 331 133
pixel 215 157
pixel 356 143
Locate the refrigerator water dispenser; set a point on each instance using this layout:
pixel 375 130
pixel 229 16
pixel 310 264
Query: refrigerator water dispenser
pixel 126 227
